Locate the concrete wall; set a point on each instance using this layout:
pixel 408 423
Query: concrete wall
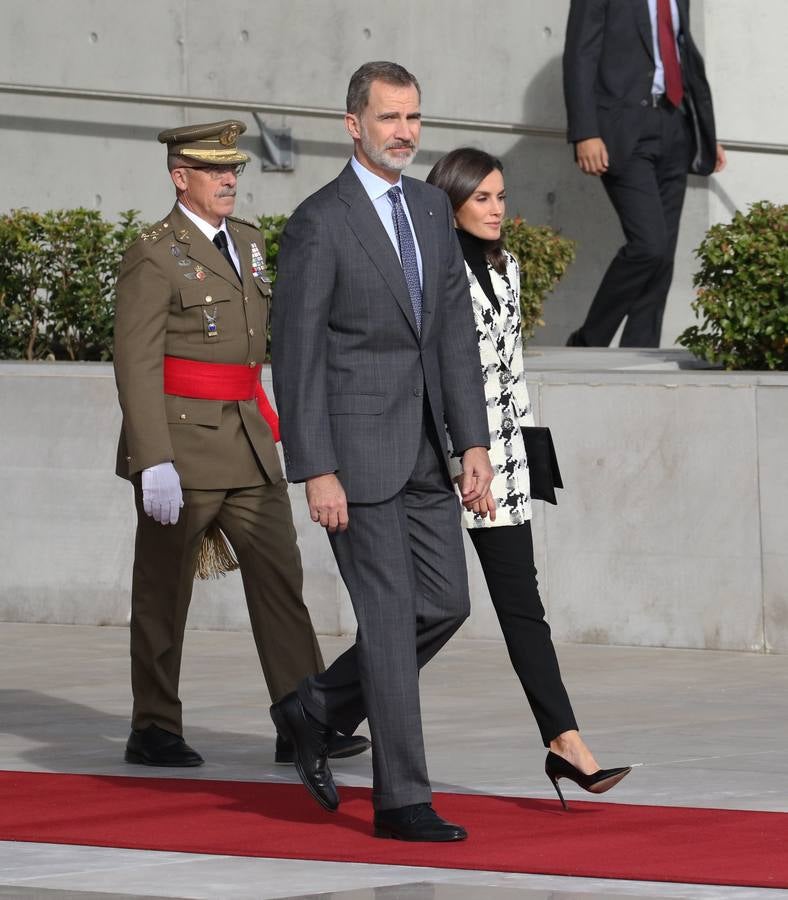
pixel 504 65
pixel 672 530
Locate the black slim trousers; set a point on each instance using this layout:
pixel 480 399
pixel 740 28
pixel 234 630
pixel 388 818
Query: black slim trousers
pixel 506 555
pixel 648 195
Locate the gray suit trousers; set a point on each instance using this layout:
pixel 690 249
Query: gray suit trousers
pixel 403 563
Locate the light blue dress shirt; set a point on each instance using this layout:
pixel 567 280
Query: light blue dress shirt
pixel 376 188
pixel 658 85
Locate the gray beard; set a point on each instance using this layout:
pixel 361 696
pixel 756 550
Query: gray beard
pixel 382 158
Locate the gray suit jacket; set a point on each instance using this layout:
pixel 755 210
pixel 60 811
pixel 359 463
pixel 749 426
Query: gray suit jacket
pixel 350 369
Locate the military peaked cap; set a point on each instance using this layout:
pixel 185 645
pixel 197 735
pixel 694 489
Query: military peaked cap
pixel 214 143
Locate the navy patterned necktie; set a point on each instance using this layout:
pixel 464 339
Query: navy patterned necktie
pixel 220 240
pixel 407 252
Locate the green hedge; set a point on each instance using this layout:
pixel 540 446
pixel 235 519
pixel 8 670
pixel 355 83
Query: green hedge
pixel 741 299
pixel 57 274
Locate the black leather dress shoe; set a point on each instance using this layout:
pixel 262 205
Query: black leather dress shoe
pixel 310 748
pixel 153 746
pixel 339 747
pixel 576 339
pixel 419 822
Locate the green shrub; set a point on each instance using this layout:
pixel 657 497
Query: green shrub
pixel 58 269
pixel 272 228
pixel 544 257
pixel 741 297
pixel 57 277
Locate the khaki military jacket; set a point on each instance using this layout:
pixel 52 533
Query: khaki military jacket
pixel 178 296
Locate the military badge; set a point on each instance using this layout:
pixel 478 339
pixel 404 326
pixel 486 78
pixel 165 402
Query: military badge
pixel 229 135
pixel 258 263
pixel 174 250
pixel 210 323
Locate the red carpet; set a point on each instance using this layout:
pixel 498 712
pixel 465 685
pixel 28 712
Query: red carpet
pixel 507 834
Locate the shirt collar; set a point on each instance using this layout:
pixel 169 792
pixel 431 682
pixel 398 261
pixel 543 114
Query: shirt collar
pixel 375 186
pixel 205 227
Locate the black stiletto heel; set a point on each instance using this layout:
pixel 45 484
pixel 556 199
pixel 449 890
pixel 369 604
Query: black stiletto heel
pixel 556 767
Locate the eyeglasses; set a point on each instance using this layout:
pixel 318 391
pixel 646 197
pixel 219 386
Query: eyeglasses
pixel 217 172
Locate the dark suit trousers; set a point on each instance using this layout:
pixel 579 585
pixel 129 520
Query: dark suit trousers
pixel 507 558
pixel 403 564
pixel 648 195
pixel 258 523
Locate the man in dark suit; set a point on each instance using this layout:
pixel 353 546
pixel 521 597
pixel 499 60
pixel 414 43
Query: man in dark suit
pixel 198 442
pixel 640 116
pixel 374 349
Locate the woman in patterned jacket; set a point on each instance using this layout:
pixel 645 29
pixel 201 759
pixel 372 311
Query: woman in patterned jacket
pixel 500 529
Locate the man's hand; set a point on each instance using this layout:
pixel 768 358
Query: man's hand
pixel 592 156
pixel 327 503
pixel 483 507
pixel 477 475
pixel 722 159
pixel 162 497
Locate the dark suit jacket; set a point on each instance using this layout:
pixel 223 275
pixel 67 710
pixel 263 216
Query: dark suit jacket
pixel 608 73
pixel 349 366
pixel 171 284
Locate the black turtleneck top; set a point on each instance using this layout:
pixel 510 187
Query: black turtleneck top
pixel 474 250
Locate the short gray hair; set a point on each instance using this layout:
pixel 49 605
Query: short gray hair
pixel 176 161
pixel 361 81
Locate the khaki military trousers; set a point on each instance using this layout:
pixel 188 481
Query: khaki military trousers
pixel 258 523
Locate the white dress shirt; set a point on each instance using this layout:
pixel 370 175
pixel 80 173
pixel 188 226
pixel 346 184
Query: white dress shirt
pixel 210 232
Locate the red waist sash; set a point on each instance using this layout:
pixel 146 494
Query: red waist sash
pixel 218 381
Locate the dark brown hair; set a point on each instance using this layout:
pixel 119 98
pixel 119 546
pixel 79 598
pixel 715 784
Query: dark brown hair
pixel 459 173
pixel 361 81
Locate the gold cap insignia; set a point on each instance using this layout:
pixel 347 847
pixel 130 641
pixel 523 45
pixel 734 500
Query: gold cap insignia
pixel 229 136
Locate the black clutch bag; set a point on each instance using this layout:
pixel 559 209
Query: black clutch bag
pixel 543 471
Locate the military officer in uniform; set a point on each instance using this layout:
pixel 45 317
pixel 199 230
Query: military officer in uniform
pixel 198 440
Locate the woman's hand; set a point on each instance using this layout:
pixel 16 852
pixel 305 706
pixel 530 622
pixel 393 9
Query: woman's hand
pixel 483 507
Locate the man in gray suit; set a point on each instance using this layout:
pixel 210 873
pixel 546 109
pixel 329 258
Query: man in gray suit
pixel 374 349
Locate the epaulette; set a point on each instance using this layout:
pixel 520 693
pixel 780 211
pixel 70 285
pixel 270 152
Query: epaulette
pixel 244 222
pixel 156 232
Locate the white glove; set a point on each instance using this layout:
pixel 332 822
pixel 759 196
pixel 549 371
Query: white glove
pixel 161 493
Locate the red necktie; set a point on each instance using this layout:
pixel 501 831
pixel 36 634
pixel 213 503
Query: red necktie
pixel 674 88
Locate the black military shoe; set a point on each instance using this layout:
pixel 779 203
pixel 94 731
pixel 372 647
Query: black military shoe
pixel 339 747
pixel 418 822
pixel 309 739
pixel 153 746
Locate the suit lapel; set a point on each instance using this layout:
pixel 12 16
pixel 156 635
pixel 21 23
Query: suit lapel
pixel 508 317
pixel 643 19
pixel 366 225
pixel 683 7
pixel 424 226
pixel 495 322
pixel 244 250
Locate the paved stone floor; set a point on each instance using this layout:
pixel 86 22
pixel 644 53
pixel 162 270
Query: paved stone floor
pixel 702 728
